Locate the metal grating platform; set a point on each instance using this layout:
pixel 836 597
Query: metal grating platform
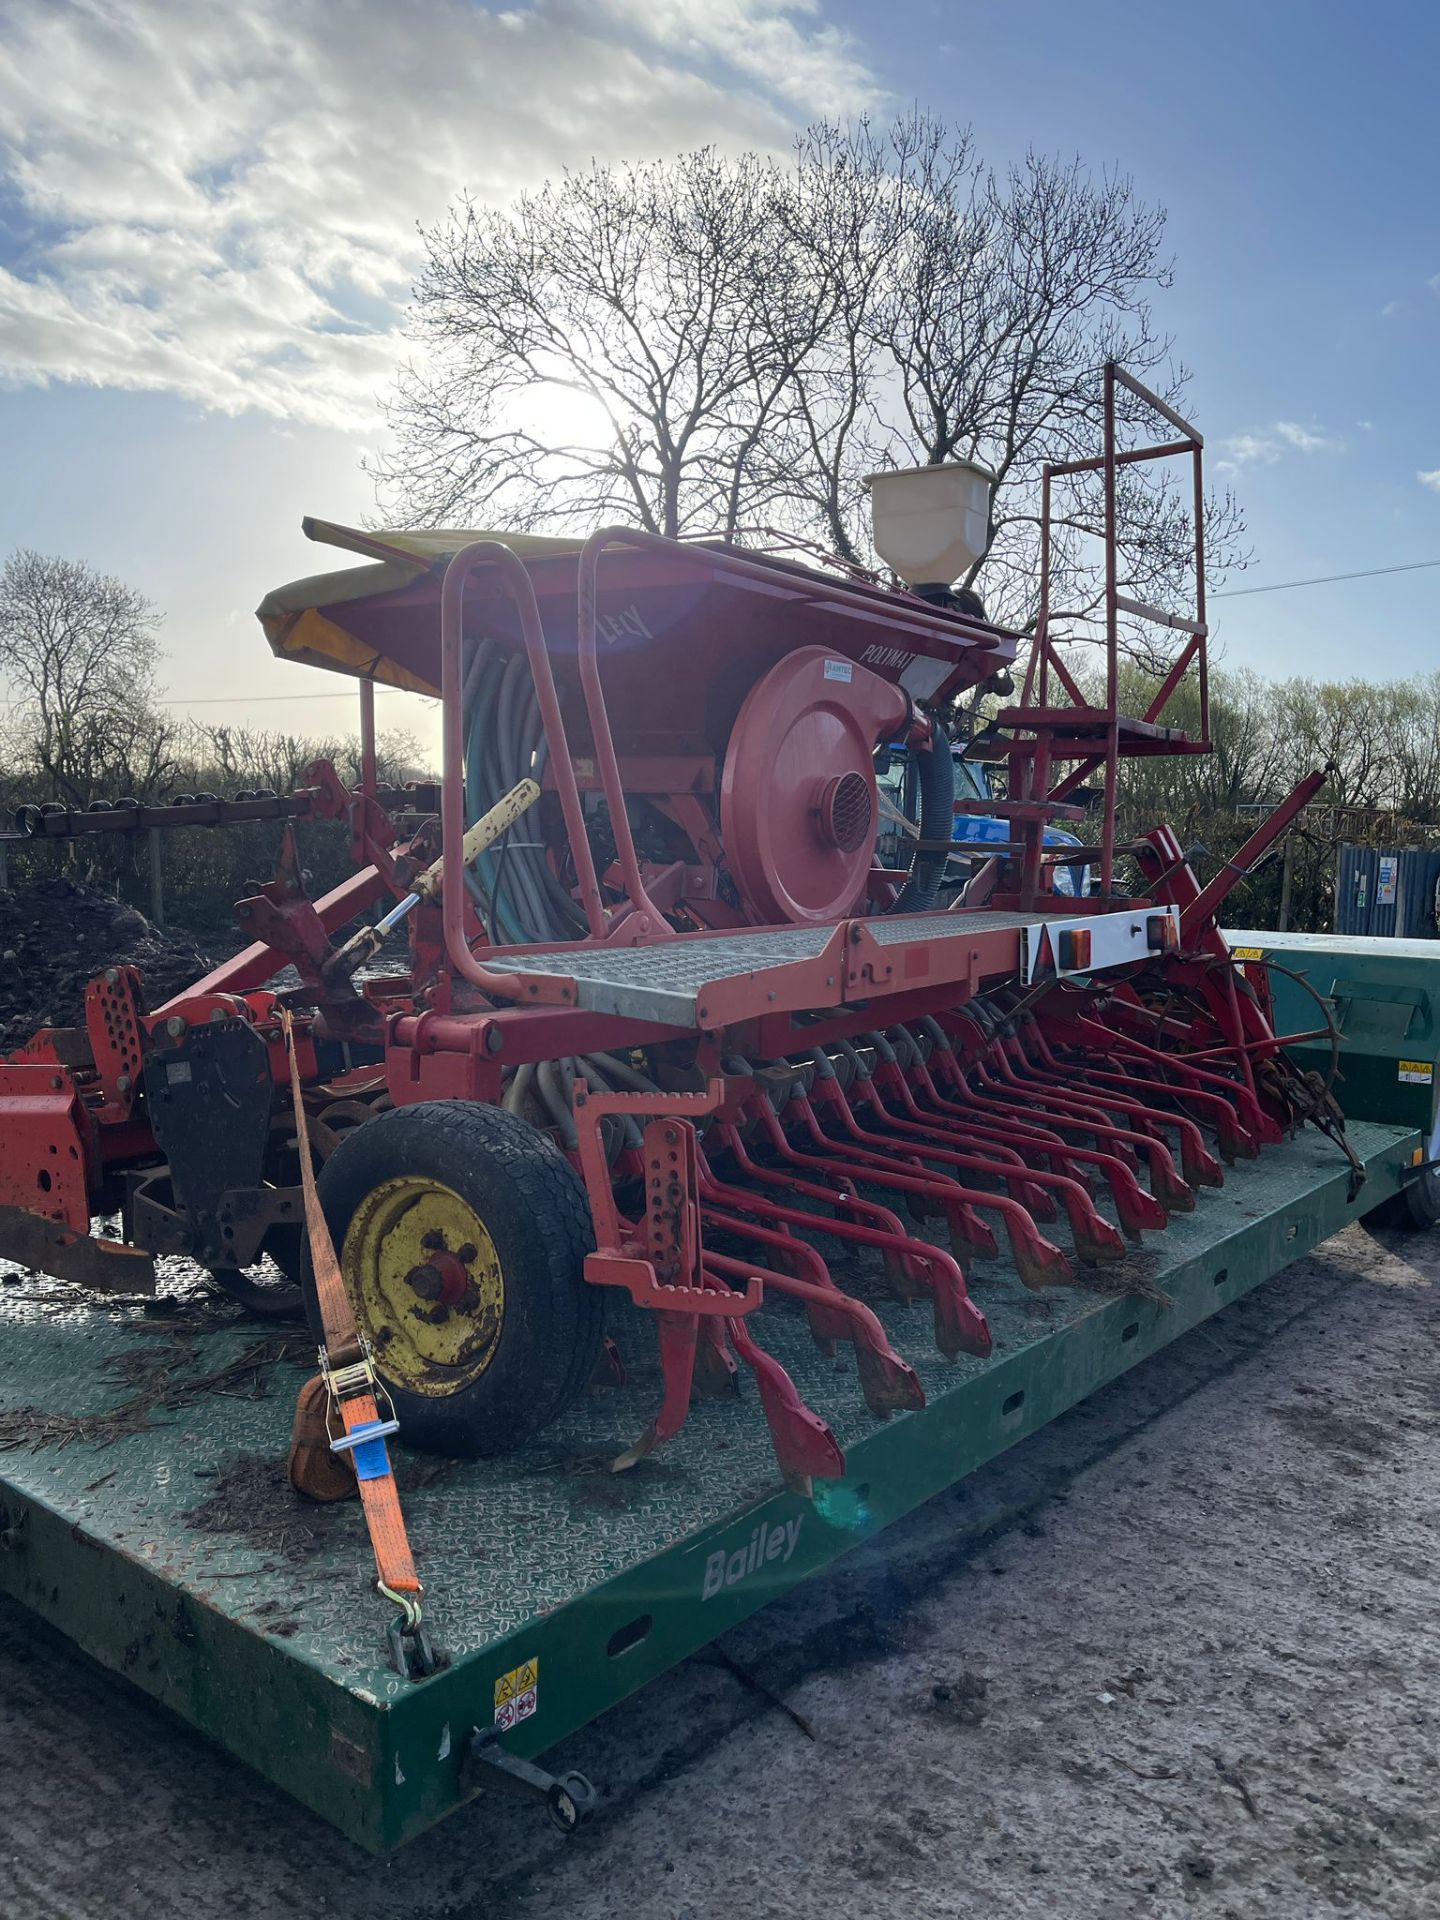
pixel 888 930
pixel 666 981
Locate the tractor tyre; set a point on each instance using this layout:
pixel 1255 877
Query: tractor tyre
pixel 462 1234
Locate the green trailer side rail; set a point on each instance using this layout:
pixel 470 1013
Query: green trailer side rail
pixel 1384 997
pixel 558 1587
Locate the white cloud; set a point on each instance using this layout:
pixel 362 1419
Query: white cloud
pixel 1390 310
pixel 1269 444
pixel 1431 479
pixel 1434 283
pixel 1248 450
pixel 221 202
pixel 1304 439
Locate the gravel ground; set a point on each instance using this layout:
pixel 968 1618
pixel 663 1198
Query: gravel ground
pixel 1174 1655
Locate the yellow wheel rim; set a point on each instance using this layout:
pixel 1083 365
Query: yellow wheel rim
pixel 426 1284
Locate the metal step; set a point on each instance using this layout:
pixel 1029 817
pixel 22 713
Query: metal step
pixel 1076 730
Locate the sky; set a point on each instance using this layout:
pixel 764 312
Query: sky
pixel 208 234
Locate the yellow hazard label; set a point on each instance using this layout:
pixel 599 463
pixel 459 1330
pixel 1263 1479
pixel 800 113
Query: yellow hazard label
pixel 1416 1073
pixel 1247 953
pixel 515 1693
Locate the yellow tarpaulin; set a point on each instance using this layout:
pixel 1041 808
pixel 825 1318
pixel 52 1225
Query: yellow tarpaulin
pixel 306 620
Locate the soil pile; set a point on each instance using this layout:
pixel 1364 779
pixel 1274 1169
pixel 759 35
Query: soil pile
pixel 55 938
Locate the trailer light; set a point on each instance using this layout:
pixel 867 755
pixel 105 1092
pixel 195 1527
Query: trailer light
pixel 1074 949
pixel 1161 933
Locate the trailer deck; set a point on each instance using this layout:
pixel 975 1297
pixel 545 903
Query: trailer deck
pixel 166 1543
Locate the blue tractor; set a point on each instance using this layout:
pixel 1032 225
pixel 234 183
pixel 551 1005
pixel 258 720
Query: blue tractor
pixel 898 778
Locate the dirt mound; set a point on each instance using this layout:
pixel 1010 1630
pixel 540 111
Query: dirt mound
pixel 55 938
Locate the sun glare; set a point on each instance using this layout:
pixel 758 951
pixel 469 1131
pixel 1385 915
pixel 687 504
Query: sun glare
pixel 562 417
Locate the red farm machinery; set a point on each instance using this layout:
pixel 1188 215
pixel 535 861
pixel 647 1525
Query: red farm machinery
pixel 684 1120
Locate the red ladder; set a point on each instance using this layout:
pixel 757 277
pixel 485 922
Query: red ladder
pixel 1059 739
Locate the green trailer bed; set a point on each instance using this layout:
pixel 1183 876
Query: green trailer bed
pixel 144 1509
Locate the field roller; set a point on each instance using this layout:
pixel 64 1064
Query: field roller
pixel 705 1192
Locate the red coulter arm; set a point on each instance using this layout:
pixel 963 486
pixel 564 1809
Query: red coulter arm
pixel 660 1263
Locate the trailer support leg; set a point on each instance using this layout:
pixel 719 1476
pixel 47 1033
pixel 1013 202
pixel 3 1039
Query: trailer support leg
pixel 489 1768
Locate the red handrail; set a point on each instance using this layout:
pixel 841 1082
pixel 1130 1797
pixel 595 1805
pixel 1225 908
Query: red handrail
pixel 604 743
pixel 452 792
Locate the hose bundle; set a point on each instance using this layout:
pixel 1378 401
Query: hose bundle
pixel 513 884
pixel 936 770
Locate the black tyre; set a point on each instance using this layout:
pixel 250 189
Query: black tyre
pixel 1415 1208
pixel 462 1234
pixel 270 1297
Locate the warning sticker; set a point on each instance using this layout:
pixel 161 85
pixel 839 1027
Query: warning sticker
pixel 1416 1073
pixel 1247 953
pixel 515 1694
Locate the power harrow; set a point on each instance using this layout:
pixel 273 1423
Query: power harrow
pixel 668 1040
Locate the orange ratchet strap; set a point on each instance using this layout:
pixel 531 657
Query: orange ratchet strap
pixel 348 1370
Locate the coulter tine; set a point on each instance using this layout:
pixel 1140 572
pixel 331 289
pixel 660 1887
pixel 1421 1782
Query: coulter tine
pixel 968 1230
pixel 960 1326
pixel 1095 1237
pixel 921 1261
pixel 1040 1264
pixel 1256 1122
pixel 1199 1165
pixel 1137 1209
pixel 889 1384
pixel 1216 1110
pixel 903 1277
pixel 918 1124
pixel 927 1193
pixel 1005 1096
pixel 820 1293
pixel 716 1368
pixel 1168 1187
pixel 678 1337
pixel 1041 1144
pixel 804 1445
pixel 1039 1261
pixel 840 1194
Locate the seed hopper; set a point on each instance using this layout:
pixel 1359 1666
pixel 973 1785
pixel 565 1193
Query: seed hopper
pixel 700 1186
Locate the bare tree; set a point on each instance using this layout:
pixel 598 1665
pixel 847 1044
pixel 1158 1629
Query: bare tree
pixel 231 758
pixel 612 348
pixel 984 338
pixel 703 344
pixel 78 653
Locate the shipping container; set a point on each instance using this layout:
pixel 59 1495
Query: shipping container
pixel 1387 891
